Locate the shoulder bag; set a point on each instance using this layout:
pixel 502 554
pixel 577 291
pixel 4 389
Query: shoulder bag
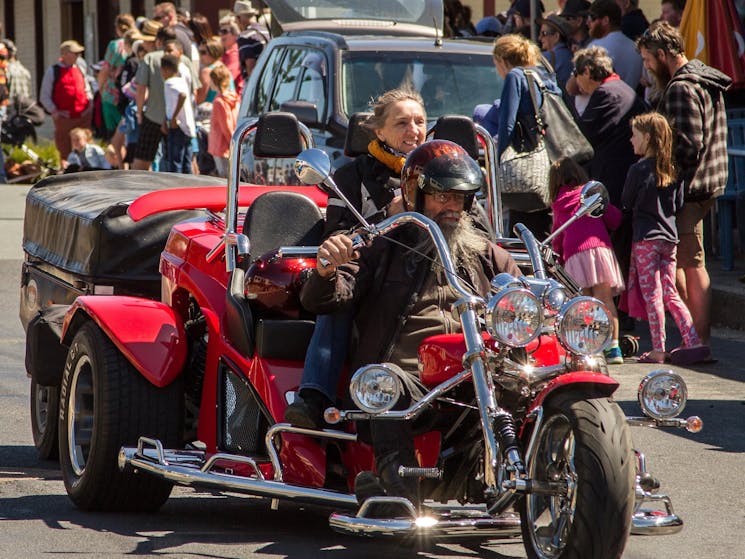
pixel 561 134
pixel 522 176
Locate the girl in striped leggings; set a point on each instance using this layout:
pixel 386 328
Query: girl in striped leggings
pixel 653 196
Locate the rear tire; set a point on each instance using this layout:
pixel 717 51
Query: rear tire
pixel 587 443
pixel 44 404
pixel 105 403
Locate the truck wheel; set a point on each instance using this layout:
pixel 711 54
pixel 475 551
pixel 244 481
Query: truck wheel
pixel 105 403
pixel 44 402
pixel 586 444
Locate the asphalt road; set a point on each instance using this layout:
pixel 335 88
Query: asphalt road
pixel 703 473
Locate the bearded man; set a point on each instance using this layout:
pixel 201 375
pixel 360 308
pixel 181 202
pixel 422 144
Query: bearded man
pixel 399 291
pixel 693 102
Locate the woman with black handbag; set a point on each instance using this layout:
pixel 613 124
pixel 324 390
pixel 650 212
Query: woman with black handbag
pixel 523 160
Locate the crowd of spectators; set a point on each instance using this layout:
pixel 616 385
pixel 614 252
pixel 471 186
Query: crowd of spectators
pixel 145 113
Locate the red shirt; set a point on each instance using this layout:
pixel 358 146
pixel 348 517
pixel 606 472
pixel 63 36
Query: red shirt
pixel 69 90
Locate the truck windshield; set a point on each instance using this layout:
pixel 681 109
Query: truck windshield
pixel 450 83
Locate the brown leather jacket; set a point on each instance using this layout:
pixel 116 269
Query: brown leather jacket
pixel 399 298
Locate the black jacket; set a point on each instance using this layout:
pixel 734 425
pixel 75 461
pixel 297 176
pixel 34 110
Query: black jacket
pixel 606 124
pixel 369 185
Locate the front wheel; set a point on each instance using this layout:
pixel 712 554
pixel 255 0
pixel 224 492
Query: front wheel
pixel 586 444
pixel 105 403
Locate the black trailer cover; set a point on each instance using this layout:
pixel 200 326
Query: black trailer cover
pixel 79 223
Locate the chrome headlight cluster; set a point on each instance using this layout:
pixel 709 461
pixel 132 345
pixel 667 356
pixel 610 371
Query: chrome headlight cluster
pixel 514 316
pixel 377 387
pixel 584 326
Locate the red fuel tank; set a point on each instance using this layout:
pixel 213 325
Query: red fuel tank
pixel 441 357
pixel 273 284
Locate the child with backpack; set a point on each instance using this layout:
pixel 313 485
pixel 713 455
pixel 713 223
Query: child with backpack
pixel 653 196
pixel 585 246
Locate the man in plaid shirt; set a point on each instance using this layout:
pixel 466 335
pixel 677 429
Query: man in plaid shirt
pixel 693 102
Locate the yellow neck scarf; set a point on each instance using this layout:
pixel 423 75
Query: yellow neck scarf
pixel 386 156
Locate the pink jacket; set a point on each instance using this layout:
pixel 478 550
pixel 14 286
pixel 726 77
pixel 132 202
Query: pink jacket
pixel 585 233
pixel 222 123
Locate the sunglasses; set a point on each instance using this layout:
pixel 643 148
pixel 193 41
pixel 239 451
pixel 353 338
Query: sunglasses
pixel 592 17
pixel 445 197
pixel 202 51
pixel 547 33
pixel 224 31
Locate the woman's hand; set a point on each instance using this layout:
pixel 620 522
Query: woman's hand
pixel 333 252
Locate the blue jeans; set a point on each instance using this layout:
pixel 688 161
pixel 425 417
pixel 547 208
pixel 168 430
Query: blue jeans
pixel 178 152
pixel 327 352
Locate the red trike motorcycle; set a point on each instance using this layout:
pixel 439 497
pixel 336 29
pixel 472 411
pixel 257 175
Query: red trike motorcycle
pixel 190 389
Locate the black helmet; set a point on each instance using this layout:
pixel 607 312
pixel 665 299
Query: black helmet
pixel 439 166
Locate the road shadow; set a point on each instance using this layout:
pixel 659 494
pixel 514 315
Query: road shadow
pixel 724 423
pixel 191 519
pixel 22 460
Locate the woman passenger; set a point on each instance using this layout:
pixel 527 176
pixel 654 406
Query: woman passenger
pixel 371 184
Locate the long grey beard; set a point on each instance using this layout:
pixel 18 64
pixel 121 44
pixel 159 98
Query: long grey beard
pixel 465 241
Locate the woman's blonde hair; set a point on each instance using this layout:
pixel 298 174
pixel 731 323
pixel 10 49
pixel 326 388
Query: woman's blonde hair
pixel 220 76
pixel 660 145
pixel 565 171
pixel 381 106
pixel 516 50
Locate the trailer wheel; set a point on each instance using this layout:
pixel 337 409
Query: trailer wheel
pixel 44 404
pixel 105 403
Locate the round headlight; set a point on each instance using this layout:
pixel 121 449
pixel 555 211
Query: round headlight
pixel 662 394
pixel 584 326
pixel 376 388
pixel 514 317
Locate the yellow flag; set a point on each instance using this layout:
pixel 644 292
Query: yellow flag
pixel 693 29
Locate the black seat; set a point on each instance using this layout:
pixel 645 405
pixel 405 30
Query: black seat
pixel 277 135
pixel 275 219
pixel 460 130
pixel 278 219
pixel 358 136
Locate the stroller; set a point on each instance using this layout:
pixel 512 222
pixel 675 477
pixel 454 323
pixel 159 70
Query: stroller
pixel 20 123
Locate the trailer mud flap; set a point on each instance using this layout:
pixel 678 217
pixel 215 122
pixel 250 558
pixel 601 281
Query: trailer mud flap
pixel 45 354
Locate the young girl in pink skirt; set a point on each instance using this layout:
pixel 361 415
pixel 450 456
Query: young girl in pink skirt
pixel 653 196
pixel 585 246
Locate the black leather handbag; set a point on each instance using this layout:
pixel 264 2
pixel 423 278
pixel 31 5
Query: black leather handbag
pixel 561 133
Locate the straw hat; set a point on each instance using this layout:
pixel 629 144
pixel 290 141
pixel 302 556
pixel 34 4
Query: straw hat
pixel 150 29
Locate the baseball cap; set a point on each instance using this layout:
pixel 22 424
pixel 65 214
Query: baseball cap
pixel 72 46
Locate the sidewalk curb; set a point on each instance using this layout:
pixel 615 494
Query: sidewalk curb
pixel 728 306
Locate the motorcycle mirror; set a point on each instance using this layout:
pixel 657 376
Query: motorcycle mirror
pixel 594 197
pixel 313 166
